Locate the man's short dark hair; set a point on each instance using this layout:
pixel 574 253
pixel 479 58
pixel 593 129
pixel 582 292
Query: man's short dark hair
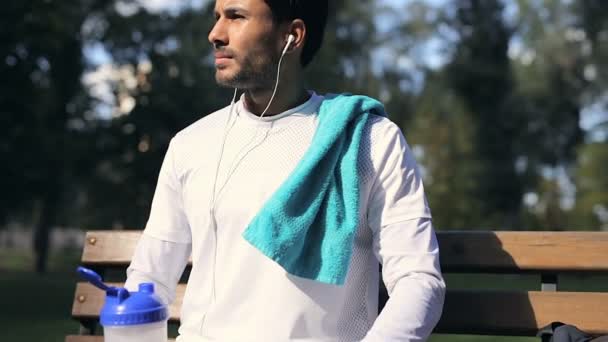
pixel 314 15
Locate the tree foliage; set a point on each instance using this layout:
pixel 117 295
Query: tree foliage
pixel 503 102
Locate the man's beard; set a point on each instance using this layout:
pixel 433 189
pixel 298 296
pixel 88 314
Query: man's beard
pixel 254 73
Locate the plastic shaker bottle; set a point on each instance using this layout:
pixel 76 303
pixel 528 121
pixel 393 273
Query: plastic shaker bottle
pixel 130 316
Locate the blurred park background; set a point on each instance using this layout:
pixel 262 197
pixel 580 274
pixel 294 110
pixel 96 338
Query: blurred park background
pixel 505 104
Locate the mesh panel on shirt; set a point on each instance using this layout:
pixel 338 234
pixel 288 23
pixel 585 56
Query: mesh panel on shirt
pixel 360 305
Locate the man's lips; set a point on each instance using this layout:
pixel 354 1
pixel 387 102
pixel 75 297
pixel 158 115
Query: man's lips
pixel 221 57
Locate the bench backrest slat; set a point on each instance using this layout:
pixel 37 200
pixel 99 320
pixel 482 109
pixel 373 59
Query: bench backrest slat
pixel 473 252
pixel 109 247
pixel 505 251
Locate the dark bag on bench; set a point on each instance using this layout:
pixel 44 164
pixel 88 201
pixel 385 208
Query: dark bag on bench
pixel 560 332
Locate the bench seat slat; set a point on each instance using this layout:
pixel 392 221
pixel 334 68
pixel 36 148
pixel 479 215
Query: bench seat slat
pixel 475 312
pixel 470 251
pixel 522 313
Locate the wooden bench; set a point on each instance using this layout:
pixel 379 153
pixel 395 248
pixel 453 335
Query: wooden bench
pixel 545 256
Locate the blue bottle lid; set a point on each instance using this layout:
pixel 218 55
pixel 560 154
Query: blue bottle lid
pixel 132 308
pixel 123 308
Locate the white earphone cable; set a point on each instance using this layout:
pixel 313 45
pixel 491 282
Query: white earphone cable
pixel 276 84
pixel 226 129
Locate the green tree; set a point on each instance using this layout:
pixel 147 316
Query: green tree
pixel 41 101
pixel 560 75
pixel 591 210
pixel 166 83
pixel 344 63
pixel 480 73
pixel 441 135
pixel 592 18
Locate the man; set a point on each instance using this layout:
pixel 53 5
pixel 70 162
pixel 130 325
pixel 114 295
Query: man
pixel 222 174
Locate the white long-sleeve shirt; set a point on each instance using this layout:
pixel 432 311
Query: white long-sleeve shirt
pixel 234 292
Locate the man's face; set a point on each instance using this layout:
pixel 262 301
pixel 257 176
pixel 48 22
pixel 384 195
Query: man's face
pixel 246 43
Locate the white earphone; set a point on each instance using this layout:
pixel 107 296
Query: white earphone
pixel 290 40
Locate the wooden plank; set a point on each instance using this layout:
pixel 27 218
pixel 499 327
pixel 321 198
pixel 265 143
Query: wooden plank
pixel 470 251
pixel 486 251
pixel 109 247
pixel 465 312
pixel 522 313
pixel 84 338
pixel 88 301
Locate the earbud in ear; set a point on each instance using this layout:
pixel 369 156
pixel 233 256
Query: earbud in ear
pixel 290 40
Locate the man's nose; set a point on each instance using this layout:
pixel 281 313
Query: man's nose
pixel 217 36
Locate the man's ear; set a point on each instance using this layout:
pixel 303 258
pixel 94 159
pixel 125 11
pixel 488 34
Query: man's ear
pixel 297 29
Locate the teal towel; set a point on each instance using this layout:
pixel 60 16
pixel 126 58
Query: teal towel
pixel 308 225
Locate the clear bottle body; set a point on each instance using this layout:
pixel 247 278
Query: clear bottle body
pixel 149 332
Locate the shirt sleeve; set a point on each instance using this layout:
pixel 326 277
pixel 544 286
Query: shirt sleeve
pixel 159 262
pixel 409 254
pixel 404 242
pixel 163 250
pixel 168 221
pixel 397 193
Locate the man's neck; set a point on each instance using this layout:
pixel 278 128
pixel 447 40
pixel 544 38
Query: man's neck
pixel 287 97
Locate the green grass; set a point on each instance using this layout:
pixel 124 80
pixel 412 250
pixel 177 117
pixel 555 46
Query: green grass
pixel 36 307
